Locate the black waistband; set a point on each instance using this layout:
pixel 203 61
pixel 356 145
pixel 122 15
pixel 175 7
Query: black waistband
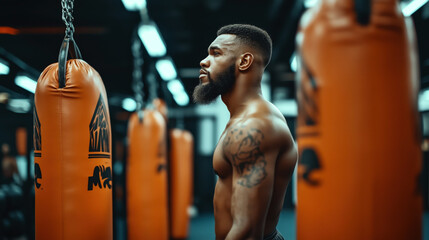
pixel 272 235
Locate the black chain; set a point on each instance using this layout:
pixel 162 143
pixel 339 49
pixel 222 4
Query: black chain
pixel 137 83
pixel 67 10
pixel 152 86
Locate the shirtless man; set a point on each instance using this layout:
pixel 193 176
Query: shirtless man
pixel 256 155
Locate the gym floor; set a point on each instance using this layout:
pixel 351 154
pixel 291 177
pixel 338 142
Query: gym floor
pixel 202 226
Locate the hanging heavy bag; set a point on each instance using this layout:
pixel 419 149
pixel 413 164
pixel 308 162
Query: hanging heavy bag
pixel 72 150
pixel 146 177
pixel 161 106
pixel 181 180
pixel 358 138
pixel 21 141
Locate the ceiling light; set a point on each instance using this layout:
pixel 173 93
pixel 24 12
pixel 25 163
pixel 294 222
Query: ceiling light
pixel 181 99
pixel 425 95
pixel 175 86
pixel 310 3
pixel 134 5
pixel 166 69
pixel 178 92
pixel 129 104
pixel 19 105
pixel 293 63
pixel 424 100
pixel 26 82
pixel 413 6
pixel 152 41
pixel 4 67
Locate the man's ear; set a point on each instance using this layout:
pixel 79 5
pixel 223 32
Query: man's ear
pixel 246 60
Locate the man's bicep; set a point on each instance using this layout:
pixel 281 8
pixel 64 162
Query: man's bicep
pixel 252 192
pixel 253 172
pixel 247 155
pixel 249 163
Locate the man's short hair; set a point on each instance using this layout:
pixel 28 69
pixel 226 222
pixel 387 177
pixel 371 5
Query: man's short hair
pixel 252 36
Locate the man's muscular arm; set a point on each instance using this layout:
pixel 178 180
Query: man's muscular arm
pixel 252 154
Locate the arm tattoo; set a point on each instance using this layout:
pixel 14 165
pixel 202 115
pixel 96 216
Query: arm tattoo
pixel 248 159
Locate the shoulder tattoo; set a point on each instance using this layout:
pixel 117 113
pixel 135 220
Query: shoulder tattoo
pixel 246 155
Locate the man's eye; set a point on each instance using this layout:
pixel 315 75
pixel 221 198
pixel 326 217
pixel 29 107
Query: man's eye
pixel 216 53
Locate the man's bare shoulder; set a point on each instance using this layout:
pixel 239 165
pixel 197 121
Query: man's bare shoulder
pixel 266 130
pixel 268 119
pixel 254 142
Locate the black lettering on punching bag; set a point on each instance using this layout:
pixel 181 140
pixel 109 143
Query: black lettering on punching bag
pixel 310 162
pixel 161 167
pixel 37 175
pixel 100 174
pixel 99 131
pixel 307 95
pixel 37 136
pixel 161 155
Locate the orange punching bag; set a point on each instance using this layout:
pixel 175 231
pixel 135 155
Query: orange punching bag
pixel 21 141
pixel 161 107
pixel 72 149
pixel 146 177
pixel 357 134
pixel 181 179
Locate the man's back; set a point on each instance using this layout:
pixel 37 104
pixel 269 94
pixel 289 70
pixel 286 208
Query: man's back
pixel 254 160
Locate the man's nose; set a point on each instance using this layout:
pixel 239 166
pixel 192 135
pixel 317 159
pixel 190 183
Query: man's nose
pixel 205 63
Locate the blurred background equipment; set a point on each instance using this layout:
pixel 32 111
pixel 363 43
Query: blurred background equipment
pixel 181 180
pixel 146 189
pixel 146 177
pixel 12 220
pixel 357 157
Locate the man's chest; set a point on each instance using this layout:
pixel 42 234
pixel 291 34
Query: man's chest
pixel 221 164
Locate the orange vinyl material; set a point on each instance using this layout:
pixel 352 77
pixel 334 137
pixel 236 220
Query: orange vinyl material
pixel 147 194
pixel 161 106
pixel 357 133
pixel 21 141
pixel 72 145
pixel 181 179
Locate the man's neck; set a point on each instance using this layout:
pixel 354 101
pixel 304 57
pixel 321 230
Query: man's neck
pixel 245 91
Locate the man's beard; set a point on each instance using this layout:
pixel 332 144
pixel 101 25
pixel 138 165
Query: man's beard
pixel 207 93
